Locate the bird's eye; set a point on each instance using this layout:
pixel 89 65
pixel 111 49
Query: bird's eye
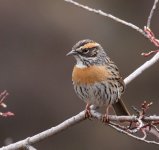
pixel 85 51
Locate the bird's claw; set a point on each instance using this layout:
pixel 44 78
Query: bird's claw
pixel 88 114
pixel 105 118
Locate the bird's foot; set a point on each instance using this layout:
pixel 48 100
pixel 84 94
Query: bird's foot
pixel 88 112
pixel 105 118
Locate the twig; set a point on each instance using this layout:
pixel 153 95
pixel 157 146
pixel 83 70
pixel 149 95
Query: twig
pixel 45 134
pixel 149 53
pixel 153 39
pixel 3 96
pixel 100 12
pixel 133 136
pixel 142 68
pixel 151 13
pixel 136 110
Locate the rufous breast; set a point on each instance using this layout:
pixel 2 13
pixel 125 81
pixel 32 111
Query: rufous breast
pixel 90 75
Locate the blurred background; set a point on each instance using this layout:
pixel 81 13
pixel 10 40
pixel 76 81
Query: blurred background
pixel 35 36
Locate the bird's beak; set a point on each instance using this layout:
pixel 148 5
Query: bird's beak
pixel 72 52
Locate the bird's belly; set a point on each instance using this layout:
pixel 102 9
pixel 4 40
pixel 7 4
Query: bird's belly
pixel 98 94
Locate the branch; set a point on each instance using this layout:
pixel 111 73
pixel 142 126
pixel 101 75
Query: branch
pixel 153 39
pixel 151 13
pixel 3 96
pixel 68 123
pixel 100 12
pixel 45 134
pixel 81 116
pixel 142 68
pixel 133 136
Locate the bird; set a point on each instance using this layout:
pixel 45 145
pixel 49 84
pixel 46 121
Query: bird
pixel 96 79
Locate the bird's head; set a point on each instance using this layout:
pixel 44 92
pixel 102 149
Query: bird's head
pixel 87 53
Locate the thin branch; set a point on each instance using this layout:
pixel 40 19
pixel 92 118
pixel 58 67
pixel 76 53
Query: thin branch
pixel 151 13
pixel 100 12
pixel 45 134
pixel 3 96
pixel 128 132
pixel 133 136
pixel 153 39
pixel 142 68
pixel 133 118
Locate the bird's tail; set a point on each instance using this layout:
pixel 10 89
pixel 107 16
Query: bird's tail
pixel 120 108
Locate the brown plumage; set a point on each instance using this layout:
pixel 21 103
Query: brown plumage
pixel 90 75
pixel 96 78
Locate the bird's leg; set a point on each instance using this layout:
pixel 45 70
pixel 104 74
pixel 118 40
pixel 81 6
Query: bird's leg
pixel 88 111
pixel 105 118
